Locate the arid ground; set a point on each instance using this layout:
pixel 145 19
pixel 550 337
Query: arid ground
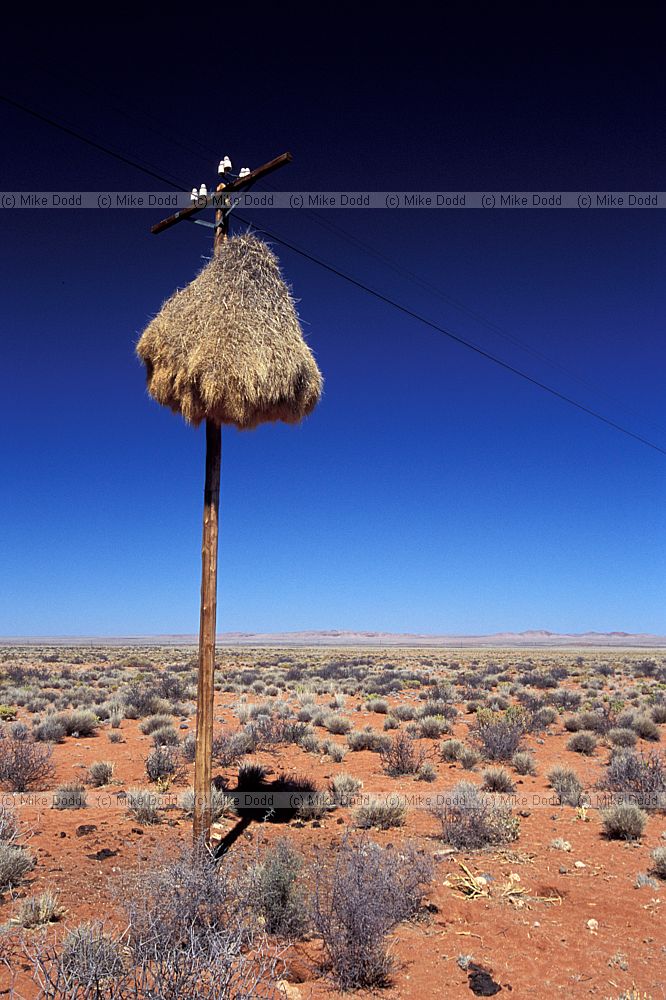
pixel 546 884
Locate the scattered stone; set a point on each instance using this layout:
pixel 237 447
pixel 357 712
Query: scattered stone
pixel 62 834
pixel 592 925
pixel 563 870
pixel 579 864
pixel 102 854
pixel 524 813
pixel 183 725
pixel 443 854
pixel 481 983
pixel 137 829
pixel 85 829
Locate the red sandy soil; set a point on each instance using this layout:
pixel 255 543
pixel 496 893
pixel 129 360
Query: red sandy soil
pixel 533 949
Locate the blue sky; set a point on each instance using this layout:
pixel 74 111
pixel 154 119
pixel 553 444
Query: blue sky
pixel 430 491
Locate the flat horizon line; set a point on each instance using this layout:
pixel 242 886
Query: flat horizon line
pixel 351 637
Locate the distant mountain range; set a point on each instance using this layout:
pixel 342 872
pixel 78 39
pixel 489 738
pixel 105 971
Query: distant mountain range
pixel 336 637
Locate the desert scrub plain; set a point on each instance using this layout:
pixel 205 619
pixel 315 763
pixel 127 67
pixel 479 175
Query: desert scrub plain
pixel 402 823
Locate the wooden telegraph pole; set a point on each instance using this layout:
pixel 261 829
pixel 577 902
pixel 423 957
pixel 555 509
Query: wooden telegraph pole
pixel 209 544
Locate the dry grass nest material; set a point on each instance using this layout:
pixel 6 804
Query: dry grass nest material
pixel 229 346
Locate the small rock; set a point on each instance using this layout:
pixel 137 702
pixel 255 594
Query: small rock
pixel 137 829
pixel 102 854
pixel 524 813
pixel 592 925
pixel 579 864
pixel 85 829
pixel 563 870
pixel 183 725
pixel 444 853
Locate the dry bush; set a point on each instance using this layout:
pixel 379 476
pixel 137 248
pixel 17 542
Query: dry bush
pixel 567 786
pixel 402 756
pixel 380 813
pixel 500 733
pixel 70 796
pixel 359 896
pixel 24 763
pixel 624 821
pixel 471 820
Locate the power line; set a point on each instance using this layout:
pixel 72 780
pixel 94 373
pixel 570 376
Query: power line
pixel 349 278
pixel 372 251
pixel 453 336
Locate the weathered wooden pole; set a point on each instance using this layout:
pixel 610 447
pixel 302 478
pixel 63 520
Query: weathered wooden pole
pixel 208 617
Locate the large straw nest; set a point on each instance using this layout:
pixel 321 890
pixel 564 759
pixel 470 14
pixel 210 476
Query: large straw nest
pixel 229 346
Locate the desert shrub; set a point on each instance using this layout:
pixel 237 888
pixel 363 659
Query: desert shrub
pixel 565 699
pixel 658 712
pixel 524 762
pixel 165 736
pixel 70 796
pixel 402 756
pixel 646 728
pixel 380 813
pixel 141 699
pixel 427 772
pixel 335 751
pixel 622 737
pixel 582 742
pixel 337 724
pixel 659 861
pixel 79 722
pixel 497 779
pixel 142 804
pixel 228 748
pixel 404 712
pixel 275 893
pixel 39 910
pixel 311 803
pixel 220 802
pixel 155 722
pixel 19 731
pixel 50 730
pixel 432 727
pixel 309 743
pixel 164 764
pixel 91 958
pixel 599 720
pixel 624 821
pixel 188 748
pixel 450 750
pixel 542 718
pixel 359 897
pixel 116 738
pixel 391 722
pixel 24 763
pixel 344 787
pixel 15 863
pixel 100 773
pixel 469 758
pixel 470 820
pixel 638 777
pixel 9 824
pixel 500 733
pixel 379 705
pixel 567 785
pixel 368 739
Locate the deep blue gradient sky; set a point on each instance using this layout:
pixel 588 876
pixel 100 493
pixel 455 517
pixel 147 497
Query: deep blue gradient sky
pixel 430 491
